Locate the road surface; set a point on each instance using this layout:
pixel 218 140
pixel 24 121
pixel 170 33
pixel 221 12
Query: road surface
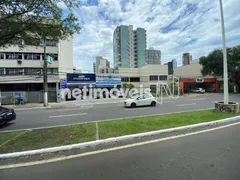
pixel 211 155
pixel 71 115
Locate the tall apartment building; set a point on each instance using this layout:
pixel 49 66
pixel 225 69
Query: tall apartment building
pixel 21 68
pixel 174 61
pixel 186 59
pixel 102 66
pixel 129 47
pixel 153 56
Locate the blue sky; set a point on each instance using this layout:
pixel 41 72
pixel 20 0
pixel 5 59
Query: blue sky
pixel 173 26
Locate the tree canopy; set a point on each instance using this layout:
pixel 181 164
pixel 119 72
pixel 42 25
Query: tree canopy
pixel 32 20
pixel 213 64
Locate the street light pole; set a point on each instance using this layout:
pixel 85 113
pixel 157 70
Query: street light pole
pixel 225 68
pixel 45 78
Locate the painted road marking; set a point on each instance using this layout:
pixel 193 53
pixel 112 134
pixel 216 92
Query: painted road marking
pixel 68 115
pixel 79 109
pixel 168 101
pixel 200 99
pixel 187 104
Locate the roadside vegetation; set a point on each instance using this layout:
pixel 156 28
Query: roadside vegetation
pixel 24 140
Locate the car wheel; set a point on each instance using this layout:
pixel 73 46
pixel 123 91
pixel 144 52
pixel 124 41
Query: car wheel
pixel 3 123
pixel 133 105
pixel 153 103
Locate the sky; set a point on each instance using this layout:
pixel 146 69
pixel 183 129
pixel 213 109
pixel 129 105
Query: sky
pixel 173 26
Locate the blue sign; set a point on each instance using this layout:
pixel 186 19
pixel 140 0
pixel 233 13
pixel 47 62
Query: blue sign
pixel 108 79
pixel 81 79
pixel 63 84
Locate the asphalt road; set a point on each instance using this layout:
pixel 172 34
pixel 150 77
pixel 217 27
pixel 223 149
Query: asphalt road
pixel 36 118
pixel 211 155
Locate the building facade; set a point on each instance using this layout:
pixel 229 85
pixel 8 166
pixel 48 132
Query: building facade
pixel 186 59
pixel 102 66
pixel 174 61
pixel 129 47
pixel 21 68
pixel 153 56
pixel 147 76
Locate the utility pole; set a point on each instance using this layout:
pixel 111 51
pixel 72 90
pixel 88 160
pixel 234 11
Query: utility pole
pixel 45 78
pixel 225 68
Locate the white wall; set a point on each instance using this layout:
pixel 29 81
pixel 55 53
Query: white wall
pixel 65 57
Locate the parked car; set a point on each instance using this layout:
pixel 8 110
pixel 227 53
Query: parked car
pixel 198 90
pixel 6 115
pixel 143 100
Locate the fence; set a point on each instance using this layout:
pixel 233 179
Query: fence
pixel 9 98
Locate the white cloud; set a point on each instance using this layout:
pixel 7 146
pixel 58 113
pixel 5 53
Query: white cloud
pixel 190 26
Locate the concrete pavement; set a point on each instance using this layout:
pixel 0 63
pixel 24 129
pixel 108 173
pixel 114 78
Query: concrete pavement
pixel 211 155
pixel 37 118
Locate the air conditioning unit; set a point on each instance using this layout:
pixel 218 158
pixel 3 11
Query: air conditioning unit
pixel 19 61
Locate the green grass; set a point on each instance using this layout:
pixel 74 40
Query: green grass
pixel 72 134
pixel 51 137
pixel 151 123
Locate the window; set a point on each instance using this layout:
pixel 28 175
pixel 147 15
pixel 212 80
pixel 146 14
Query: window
pixel 153 78
pixel 102 70
pixel 28 56
pixel 135 79
pixel 51 43
pixel 163 78
pixel 14 71
pixel 32 71
pixel 13 56
pixel 1 71
pixel 36 56
pixel 1 55
pixel 53 71
pixel 125 79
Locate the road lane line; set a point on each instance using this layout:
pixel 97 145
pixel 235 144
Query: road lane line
pixel 68 115
pixel 115 148
pixel 168 101
pixel 200 99
pixel 79 109
pixel 187 104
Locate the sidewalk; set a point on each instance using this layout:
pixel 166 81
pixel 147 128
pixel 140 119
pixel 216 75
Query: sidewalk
pixel 62 104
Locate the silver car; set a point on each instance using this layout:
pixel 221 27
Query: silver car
pixel 198 90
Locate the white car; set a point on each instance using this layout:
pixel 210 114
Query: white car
pixel 144 100
pixel 198 90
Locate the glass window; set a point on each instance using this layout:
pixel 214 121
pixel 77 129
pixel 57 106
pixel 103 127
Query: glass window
pixel 36 56
pixel 9 56
pixel 32 71
pixel 51 43
pixel 52 71
pixel 1 71
pixel 135 79
pixel 1 55
pixel 125 79
pixel 163 78
pixel 28 56
pixel 14 71
pixel 153 78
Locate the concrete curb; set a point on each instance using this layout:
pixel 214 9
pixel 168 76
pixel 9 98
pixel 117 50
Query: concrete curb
pixel 112 140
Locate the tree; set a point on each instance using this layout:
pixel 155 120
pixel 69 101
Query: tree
pixel 128 85
pixel 213 64
pixel 36 20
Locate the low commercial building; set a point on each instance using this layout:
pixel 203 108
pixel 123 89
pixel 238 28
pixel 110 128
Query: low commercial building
pixel 147 76
pixel 21 69
pixel 190 77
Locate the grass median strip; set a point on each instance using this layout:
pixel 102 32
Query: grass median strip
pixel 50 137
pixel 72 134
